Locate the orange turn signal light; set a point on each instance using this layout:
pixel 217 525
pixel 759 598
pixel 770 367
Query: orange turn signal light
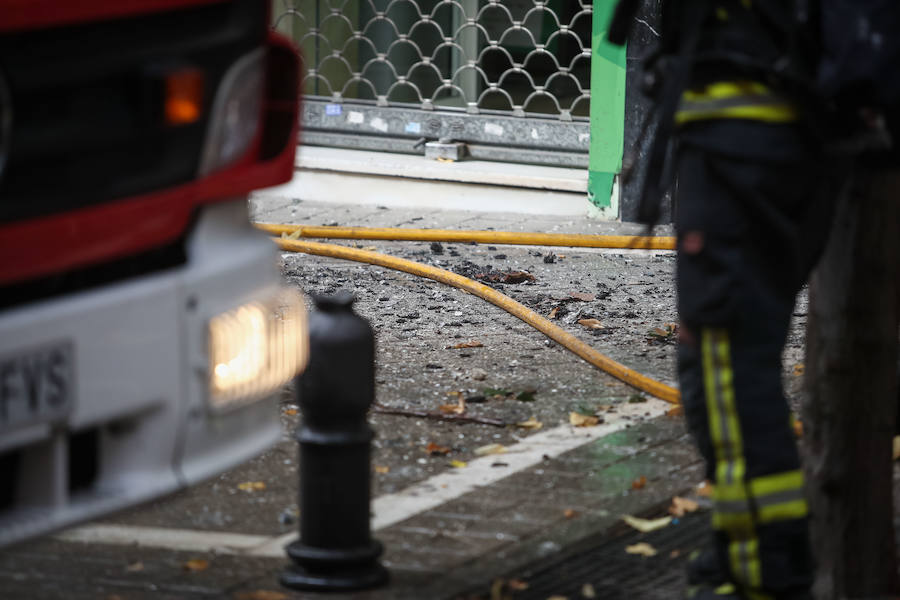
pixel 184 96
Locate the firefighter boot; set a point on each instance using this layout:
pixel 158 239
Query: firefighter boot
pixel 705 568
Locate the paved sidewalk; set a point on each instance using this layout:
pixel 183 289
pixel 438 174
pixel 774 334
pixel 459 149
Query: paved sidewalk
pixel 449 532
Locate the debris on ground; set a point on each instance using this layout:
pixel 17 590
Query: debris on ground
pixel 646 525
pixel 681 506
pixel 642 549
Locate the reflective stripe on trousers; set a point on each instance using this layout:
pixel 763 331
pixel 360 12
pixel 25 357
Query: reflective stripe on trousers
pixel 741 504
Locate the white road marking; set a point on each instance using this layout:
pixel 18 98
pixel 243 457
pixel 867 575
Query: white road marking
pixel 389 508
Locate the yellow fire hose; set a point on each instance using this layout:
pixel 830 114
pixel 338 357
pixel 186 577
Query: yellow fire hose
pixel 572 240
pixel 557 334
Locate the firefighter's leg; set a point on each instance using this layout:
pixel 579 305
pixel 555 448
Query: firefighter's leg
pixel 736 293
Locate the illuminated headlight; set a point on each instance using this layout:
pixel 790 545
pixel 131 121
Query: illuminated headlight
pixel 255 348
pixel 236 113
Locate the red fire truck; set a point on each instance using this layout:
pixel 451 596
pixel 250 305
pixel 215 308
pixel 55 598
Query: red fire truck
pixel 143 326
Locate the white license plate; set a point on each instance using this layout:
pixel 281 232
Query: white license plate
pixel 37 385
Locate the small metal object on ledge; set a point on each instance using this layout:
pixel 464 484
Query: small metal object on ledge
pixel 446 150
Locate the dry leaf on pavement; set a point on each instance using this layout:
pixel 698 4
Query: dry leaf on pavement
pixel 580 420
pixel 490 449
pixel 252 486
pixel 680 506
pixel 459 464
pixel 799 369
pixel 433 449
pixel 582 296
pixel 647 525
pixel 290 412
pixel 135 567
pixel 798 427
pixel 454 409
pixel 590 323
pixel 554 312
pixel 570 513
pixel 381 469
pixel 469 344
pixel 261 595
pixel 531 423
pixel 642 548
pixel 704 489
pixel 196 565
pixel 639 483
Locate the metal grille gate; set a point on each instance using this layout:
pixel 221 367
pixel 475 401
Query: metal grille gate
pixel 511 78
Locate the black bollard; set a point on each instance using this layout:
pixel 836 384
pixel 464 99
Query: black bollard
pixel 336 550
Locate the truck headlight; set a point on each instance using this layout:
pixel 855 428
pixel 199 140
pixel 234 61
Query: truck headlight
pixel 256 348
pixel 236 113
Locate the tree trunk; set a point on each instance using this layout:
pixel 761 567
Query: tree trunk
pixel 851 406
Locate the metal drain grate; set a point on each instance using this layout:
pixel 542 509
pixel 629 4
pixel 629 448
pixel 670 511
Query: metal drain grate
pixel 615 575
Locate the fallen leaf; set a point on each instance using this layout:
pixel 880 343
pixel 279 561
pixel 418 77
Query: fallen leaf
pixel 135 567
pixel 799 369
pixel 582 296
pixel 433 449
pixel 797 424
pixel 290 412
pixel 570 513
pixel 647 525
pixel 459 464
pixel 531 423
pixel 641 548
pixel 381 469
pixel 196 565
pixel 675 411
pixel 508 277
pixel 294 235
pixel 704 489
pixel 370 248
pixel 517 277
pixel 588 591
pixel 639 483
pixel 666 334
pixel 517 585
pixel 897 448
pixel 680 506
pixel 554 312
pixel 454 409
pixel 490 449
pixel 469 344
pixel 560 256
pixel 590 323
pixel 261 595
pixel 252 486
pixel 580 420
pixel 444 159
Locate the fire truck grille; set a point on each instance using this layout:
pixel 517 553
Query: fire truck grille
pixel 87 123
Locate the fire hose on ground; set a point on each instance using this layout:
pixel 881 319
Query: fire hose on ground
pixel 554 332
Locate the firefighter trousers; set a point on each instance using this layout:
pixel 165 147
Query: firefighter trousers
pixel 749 231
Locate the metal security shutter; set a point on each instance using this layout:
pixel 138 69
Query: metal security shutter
pixel 509 78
